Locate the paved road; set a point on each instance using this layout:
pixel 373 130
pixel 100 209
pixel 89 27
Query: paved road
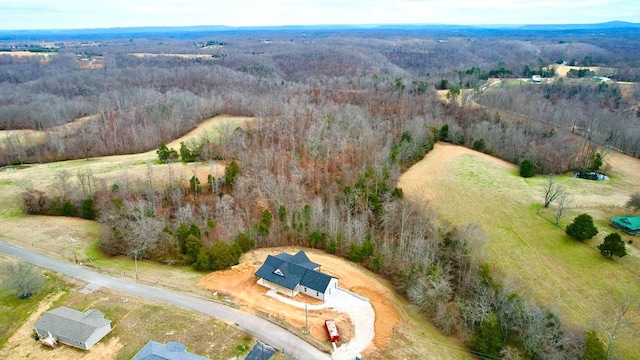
pixel 267 332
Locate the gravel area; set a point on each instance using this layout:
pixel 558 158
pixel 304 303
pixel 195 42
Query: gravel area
pixel 360 312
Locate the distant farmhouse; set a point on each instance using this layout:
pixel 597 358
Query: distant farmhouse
pixel 626 223
pixel 293 274
pixel 171 351
pixel 71 327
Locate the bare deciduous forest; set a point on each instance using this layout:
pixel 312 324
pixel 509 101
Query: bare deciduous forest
pixel 338 116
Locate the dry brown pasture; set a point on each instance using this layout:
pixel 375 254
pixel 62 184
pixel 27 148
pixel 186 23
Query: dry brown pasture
pixel 562 70
pixel 44 55
pixel 182 56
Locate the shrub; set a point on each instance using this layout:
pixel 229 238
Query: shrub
pixel 582 228
pixel 69 208
pixel 89 209
pixel 165 154
pixel 613 245
pixel 527 168
pixel 594 349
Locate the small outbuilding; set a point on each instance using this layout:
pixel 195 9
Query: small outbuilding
pixel 293 274
pixel 627 223
pixel 72 327
pixel 172 350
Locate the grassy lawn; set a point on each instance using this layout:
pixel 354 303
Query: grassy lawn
pixel 569 277
pixel 134 322
pixel 14 311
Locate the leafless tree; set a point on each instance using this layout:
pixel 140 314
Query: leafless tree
pixel 623 317
pixel 85 177
pixel 21 278
pixel 62 183
pixel 551 191
pixel 634 202
pixel 563 203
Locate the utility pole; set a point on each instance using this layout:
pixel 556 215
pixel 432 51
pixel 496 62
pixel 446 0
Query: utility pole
pixel 306 318
pixel 73 246
pixel 135 260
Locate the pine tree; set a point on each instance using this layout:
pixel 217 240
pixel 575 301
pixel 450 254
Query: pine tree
pixel 582 228
pixel 613 245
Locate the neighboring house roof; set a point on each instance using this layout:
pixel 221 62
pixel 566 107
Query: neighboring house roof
pixel 630 222
pixel 172 350
pixel 261 351
pixel 72 324
pixel 289 271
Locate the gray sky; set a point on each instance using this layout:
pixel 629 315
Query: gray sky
pixel 72 14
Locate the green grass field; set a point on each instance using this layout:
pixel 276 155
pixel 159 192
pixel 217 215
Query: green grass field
pixel 569 277
pixel 14 312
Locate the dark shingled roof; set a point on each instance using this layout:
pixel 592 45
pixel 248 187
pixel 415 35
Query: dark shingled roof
pixel 290 270
pixel 300 259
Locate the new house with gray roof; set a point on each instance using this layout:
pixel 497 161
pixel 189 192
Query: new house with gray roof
pixel 75 328
pixel 293 274
pixel 172 350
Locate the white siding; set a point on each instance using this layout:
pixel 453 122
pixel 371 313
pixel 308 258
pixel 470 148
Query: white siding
pixel 98 334
pixel 313 293
pixel 279 288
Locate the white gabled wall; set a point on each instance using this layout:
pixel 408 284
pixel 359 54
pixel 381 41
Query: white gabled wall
pixel 318 294
pixel 97 335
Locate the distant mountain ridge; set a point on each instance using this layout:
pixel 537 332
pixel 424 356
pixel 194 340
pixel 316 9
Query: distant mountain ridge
pixel 184 30
pixel 604 25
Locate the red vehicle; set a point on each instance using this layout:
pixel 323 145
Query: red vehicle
pixel 332 330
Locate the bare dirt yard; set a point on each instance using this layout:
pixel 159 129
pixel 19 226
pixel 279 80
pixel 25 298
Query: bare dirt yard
pixel 240 284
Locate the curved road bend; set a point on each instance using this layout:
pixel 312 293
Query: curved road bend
pixel 259 328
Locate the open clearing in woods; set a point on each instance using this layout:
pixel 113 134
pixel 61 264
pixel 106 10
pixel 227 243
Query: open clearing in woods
pixel 124 168
pixel 569 277
pixel 400 333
